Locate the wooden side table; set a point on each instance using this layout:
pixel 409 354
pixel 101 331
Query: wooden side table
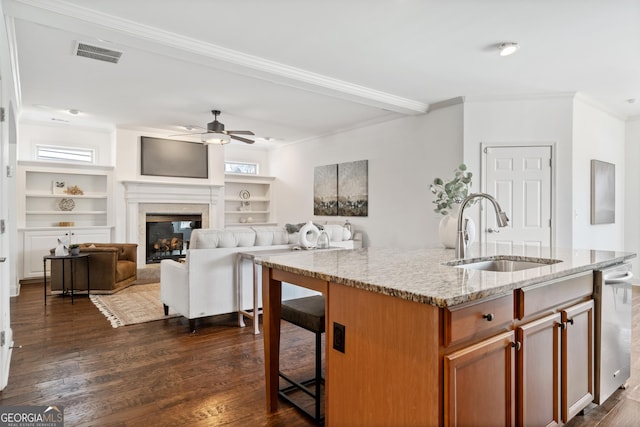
pixel 72 260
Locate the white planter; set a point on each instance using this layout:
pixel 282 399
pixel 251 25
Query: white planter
pixel 448 228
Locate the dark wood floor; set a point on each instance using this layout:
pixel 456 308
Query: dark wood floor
pixel 159 374
pixel 155 373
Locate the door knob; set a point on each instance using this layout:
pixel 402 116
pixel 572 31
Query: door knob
pixel 492 230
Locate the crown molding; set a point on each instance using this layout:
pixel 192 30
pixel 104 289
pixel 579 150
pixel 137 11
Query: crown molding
pixel 585 99
pixel 446 103
pixel 519 97
pixel 267 69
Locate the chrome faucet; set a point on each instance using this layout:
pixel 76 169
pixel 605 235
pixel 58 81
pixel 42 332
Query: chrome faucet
pixel 463 237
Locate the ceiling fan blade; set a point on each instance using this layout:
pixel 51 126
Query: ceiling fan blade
pixel 239 138
pixel 185 134
pixel 240 132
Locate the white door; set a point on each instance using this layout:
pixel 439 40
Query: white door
pixel 519 177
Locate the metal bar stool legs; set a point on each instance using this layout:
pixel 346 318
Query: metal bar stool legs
pixel 307 313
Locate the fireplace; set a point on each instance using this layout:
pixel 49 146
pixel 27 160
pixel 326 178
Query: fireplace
pixel 167 198
pixel 168 235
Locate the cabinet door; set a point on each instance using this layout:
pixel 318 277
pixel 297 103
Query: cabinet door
pixel 577 359
pixel 538 368
pixel 479 383
pixel 36 245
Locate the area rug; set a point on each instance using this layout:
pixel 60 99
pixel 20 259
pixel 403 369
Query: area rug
pixel 133 305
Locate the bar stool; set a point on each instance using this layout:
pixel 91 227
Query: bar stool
pixel 307 313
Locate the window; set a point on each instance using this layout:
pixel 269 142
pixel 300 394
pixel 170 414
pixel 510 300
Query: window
pixel 65 154
pixel 241 167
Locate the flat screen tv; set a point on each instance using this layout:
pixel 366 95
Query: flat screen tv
pixel 169 157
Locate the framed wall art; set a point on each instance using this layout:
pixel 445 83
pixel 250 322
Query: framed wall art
pixel 325 190
pixel 341 189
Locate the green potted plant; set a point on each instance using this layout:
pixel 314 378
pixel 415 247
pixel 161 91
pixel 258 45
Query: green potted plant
pixel 74 249
pixel 448 196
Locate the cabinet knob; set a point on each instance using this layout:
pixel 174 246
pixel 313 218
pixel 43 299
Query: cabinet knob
pixel 570 321
pixel 517 345
pixel 562 325
pixel 489 317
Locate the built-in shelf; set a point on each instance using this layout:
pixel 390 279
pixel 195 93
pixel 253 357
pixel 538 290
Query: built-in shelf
pixel 41 220
pixel 247 200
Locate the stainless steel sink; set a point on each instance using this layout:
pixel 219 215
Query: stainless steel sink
pixel 503 263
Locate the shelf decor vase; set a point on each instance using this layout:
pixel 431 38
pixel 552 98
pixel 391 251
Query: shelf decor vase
pixel 448 228
pixel 66 204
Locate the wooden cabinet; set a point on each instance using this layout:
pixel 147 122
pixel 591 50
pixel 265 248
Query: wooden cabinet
pixel 577 359
pixel 480 383
pixel 525 358
pixel 538 369
pixel 247 200
pixel 45 212
pixel 555 363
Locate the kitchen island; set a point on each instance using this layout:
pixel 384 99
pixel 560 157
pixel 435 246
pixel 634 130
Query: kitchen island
pixel 413 341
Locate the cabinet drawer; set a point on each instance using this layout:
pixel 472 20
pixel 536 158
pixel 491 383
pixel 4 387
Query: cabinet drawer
pixel 468 320
pixel 548 296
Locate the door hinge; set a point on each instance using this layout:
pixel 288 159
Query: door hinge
pixel 1 114
pixel 2 339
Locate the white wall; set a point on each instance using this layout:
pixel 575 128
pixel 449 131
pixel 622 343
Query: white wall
pixel 597 135
pixel 632 190
pixel 32 134
pixel 522 121
pixel 241 152
pixel 404 156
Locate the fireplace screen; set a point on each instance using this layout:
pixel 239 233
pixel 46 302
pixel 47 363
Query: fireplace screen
pixel 168 235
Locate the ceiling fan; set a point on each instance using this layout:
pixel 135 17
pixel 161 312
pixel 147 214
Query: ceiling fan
pixel 216 134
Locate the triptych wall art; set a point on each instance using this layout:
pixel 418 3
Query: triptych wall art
pixel 341 189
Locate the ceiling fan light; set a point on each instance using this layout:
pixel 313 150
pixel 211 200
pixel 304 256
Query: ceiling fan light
pixel 508 48
pixel 215 138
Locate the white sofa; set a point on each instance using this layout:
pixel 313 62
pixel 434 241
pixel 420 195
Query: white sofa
pixel 204 284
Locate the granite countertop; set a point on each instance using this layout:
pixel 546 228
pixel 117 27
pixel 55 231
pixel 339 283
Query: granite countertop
pixel 420 274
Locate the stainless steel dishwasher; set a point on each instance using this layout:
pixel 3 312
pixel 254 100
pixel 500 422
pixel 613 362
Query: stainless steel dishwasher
pixel 612 294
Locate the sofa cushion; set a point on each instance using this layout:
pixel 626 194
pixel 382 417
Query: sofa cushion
pixel 237 238
pixel 125 269
pixel 337 233
pixel 269 236
pixel 229 238
pixel 204 238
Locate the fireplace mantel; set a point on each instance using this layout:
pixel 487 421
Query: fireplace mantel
pixel 144 197
pixel 167 192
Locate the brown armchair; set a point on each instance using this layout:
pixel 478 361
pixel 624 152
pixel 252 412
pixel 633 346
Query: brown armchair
pixel 112 267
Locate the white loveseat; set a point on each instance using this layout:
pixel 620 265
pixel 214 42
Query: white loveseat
pixel 204 284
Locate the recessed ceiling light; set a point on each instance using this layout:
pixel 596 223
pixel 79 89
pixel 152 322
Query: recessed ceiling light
pixel 73 111
pixel 631 100
pixel 508 48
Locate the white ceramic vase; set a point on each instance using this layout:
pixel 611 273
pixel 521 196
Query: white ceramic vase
pixel 309 234
pixel 448 228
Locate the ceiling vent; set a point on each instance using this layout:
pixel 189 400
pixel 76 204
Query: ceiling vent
pixel 96 52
